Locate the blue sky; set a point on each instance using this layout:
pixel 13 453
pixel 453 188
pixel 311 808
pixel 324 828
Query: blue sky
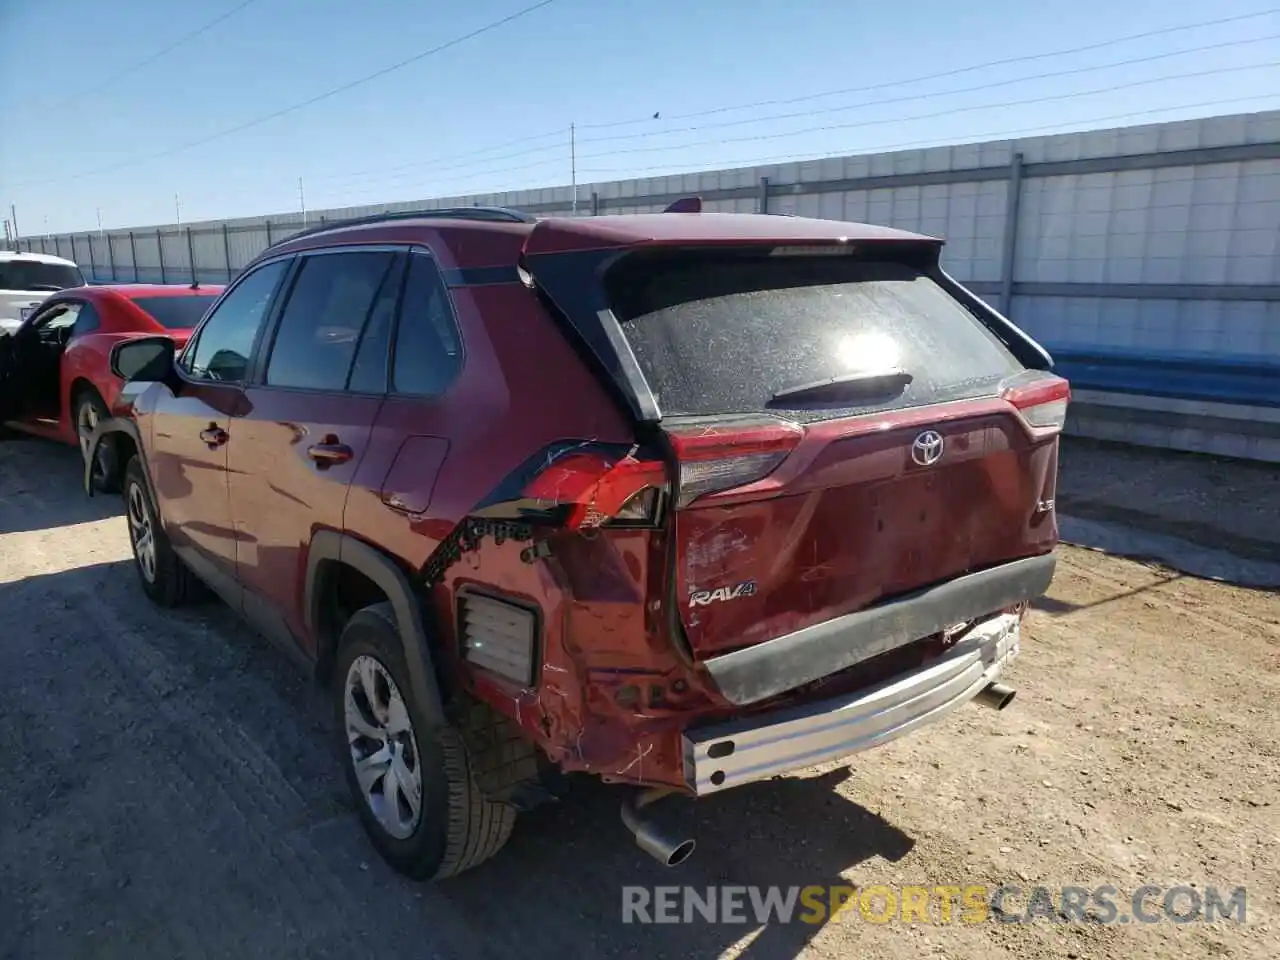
pixel 80 129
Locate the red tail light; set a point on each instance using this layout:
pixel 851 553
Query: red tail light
pixel 598 488
pixel 723 456
pixel 1041 400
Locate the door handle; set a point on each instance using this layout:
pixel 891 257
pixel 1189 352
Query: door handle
pixel 214 436
pixel 329 452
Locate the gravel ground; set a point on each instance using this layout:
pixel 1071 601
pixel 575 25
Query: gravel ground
pixel 1213 501
pixel 167 787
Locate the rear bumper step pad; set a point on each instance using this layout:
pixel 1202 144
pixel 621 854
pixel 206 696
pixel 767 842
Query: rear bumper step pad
pixel 786 662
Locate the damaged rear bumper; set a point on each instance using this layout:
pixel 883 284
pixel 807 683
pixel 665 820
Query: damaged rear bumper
pixel 725 755
pixel 784 663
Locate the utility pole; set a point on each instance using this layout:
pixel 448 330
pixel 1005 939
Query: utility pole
pixel 302 202
pixel 573 169
pixel 99 222
pixel 177 209
pixel 13 219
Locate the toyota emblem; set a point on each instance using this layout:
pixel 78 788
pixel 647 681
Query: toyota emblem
pixel 926 449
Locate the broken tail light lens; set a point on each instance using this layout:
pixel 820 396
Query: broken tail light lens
pixel 600 487
pixel 1041 399
pixel 597 488
pixel 717 457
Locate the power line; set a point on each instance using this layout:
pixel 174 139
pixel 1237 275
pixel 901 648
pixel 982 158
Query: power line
pixel 811 155
pixel 451 162
pixel 930 116
pixel 332 191
pixel 944 74
pixel 1049 130
pixel 457 161
pixel 343 88
pixel 433 174
pixel 460 156
pixel 1262 101
pixel 1074 71
pixel 152 58
pixel 459 178
pixel 433 171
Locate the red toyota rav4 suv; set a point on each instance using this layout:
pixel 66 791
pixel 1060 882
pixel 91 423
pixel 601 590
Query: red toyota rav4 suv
pixel 682 500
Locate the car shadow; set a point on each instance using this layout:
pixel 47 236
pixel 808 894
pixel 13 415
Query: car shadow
pixel 47 475
pixel 784 833
pixel 556 890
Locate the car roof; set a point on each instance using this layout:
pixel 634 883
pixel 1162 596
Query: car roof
pixel 159 289
pixel 115 292
pixel 8 255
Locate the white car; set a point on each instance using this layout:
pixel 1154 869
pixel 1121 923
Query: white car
pixel 26 279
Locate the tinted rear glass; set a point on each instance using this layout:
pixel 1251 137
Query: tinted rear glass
pixel 35 275
pixel 176 313
pixel 723 333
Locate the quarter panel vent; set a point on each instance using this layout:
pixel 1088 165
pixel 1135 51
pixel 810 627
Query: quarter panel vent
pixel 498 636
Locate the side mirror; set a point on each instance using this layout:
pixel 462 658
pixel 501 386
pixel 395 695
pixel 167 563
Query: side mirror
pixel 148 359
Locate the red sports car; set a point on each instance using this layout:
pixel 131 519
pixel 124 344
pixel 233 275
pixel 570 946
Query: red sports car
pixel 55 381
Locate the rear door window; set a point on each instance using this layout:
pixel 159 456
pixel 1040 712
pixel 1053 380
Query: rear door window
pixel 728 333
pixel 334 297
pixel 428 352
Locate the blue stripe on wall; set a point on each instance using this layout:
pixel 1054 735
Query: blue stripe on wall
pixel 1243 380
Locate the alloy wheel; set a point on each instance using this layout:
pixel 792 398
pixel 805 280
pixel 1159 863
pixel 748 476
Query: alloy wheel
pixel 142 532
pixel 384 753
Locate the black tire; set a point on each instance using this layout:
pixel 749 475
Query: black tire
pixel 166 580
pixel 459 825
pixel 90 408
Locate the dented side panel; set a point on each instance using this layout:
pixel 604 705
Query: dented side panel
pixel 611 695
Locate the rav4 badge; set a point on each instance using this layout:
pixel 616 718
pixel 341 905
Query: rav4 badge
pixel 700 598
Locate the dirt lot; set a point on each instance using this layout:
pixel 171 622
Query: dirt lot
pixel 167 788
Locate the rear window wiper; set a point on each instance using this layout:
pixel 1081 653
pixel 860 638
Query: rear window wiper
pixel 874 382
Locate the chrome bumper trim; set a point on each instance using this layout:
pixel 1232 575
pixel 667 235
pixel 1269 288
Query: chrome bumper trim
pixel 724 755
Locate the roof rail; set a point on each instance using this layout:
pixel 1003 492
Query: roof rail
pixel 487 214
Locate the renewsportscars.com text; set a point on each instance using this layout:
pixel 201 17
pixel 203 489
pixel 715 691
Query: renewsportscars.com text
pixel 938 904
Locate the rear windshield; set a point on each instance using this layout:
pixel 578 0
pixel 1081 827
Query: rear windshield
pixel 36 275
pixel 176 313
pixel 723 333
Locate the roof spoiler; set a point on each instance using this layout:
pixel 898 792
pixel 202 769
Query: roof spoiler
pixel 685 205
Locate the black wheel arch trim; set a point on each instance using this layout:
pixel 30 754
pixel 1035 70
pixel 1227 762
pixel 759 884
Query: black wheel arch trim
pixel 82 386
pixel 330 546
pixel 105 428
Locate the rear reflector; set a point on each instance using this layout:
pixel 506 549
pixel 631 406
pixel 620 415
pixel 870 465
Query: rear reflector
pixel 1041 400
pixel 723 456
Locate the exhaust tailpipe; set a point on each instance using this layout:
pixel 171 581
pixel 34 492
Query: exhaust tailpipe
pixel 996 696
pixel 667 850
